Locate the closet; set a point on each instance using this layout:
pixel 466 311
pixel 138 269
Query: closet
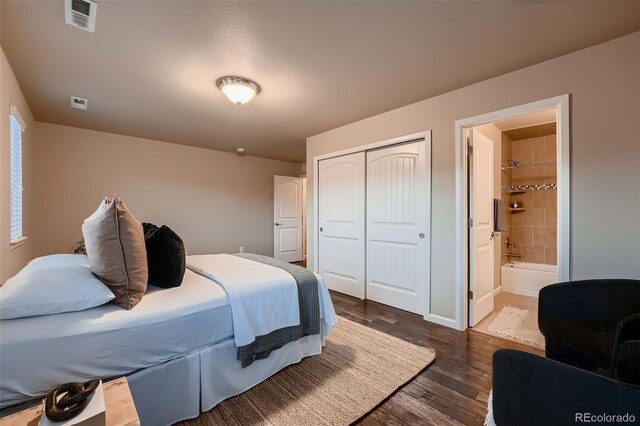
pixel 373 218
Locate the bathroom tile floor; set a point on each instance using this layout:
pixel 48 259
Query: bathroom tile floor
pixel 501 300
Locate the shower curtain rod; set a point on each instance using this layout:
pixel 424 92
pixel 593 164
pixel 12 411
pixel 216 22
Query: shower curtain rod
pixel 528 166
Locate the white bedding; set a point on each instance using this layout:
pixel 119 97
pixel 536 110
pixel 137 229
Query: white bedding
pixel 39 353
pixel 258 306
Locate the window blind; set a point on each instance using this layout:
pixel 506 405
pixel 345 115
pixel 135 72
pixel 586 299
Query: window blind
pixel 16 177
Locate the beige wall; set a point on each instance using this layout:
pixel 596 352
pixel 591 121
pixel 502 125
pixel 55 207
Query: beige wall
pixel 10 94
pixel 604 82
pixel 301 169
pixel 534 230
pixel 215 201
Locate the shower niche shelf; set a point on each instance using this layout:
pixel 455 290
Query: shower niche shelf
pixel 528 166
pixel 516 209
pixel 517 191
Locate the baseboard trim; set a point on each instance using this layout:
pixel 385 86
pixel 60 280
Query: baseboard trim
pixel 447 322
pixel 497 290
pixel 521 291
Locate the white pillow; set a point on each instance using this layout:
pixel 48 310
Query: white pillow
pixel 52 285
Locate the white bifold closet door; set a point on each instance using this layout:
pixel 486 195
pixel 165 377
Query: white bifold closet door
pixel 397 226
pixel 341 218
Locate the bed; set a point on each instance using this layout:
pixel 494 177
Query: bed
pixel 176 347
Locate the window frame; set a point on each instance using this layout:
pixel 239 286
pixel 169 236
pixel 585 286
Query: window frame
pixel 17 241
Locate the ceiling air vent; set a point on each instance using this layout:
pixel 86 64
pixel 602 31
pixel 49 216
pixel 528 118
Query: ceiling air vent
pixel 81 13
pixel 79 103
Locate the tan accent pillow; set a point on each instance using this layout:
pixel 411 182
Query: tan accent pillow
pixel 117 255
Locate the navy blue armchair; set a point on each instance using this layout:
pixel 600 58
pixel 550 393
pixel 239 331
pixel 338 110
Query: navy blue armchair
pixel 529 390
pixel 585 322
pixel 592 364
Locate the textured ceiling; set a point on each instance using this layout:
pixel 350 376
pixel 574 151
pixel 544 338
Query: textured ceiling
pixel 150 67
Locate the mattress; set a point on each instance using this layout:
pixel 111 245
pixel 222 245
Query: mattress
pixel 39 353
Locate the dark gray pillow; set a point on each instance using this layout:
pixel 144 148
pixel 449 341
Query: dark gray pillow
pixel 166 256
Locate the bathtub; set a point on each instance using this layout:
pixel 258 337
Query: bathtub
pixel 527 278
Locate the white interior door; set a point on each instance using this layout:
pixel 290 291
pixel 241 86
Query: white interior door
pixel 397 226
pixel 341 217
pixel 481 254
pixel 287 218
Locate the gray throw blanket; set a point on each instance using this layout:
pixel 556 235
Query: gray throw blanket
pixel 308 301
pixel 498 216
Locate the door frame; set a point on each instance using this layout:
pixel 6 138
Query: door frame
pixel 562 106
pixel 426 135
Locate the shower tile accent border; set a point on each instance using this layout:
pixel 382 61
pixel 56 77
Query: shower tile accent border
pixel 528 187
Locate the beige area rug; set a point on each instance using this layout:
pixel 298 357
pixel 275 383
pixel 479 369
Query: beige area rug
pixel 358 369
pixel 517 324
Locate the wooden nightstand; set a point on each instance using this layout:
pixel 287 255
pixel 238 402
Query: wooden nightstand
pixel 117 398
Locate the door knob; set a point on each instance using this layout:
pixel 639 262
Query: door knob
pixel 278 224
pixel 320 229
pixel 421 235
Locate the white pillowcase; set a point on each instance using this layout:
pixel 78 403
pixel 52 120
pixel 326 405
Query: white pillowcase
pixel 52 285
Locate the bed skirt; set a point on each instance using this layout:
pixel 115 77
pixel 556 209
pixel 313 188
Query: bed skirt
pixel 196 382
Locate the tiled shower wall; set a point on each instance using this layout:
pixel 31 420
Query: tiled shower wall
pixel 534 229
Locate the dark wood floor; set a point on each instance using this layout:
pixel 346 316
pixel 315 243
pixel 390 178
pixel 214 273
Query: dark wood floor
pixel 454 389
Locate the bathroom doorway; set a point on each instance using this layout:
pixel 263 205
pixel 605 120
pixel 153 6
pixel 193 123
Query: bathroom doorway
pixel 515 212
pixel 524 223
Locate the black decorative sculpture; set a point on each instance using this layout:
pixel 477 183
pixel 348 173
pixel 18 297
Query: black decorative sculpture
pixel 72 403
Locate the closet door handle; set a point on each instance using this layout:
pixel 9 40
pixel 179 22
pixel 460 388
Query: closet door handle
pixel 320 229
pixel 421 235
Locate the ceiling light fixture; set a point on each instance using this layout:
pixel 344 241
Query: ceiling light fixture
pixel 239 90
